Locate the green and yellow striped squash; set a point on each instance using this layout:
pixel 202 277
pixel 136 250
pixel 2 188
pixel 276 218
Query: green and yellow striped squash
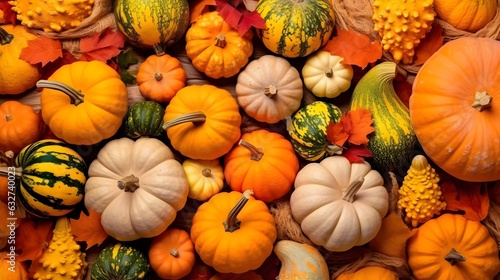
pixel 394 140
pixel 120 262
pixel 308 128
pixel 52 179
pixel 295 28
pixel 152 23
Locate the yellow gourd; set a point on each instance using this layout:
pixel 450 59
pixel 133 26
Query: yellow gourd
pixel 420 195
pixel 62 260
pixel 401 25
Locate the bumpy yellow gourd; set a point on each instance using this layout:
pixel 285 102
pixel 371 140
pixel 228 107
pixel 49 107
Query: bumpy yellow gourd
pixel 62 260
pixel 52 15
pixel 420 196
pixel 401 25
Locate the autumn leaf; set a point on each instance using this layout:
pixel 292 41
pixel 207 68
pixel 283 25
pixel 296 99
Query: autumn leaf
pixel 102 45
pixel 238 17
pixel 123 62
pixel 51 67
pixel 391 237
pixel 32 236
pixel 357 153
pixel 9 16
pixel 42 50
pixel 355 48
pixel 200 7
pixel 248 20
pixel 335 134
pixel 403 90
pixel 88 228
pixel 229 13
pixel 360 126
pixel 429 45
pixel 469 198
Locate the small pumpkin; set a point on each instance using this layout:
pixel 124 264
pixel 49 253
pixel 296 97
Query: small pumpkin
pixel 300 261
pixel 137 187
pixel 249 275
pixel 334 197
pixel 453 247
pixel 215 48
pixel 202 121
pixel 144 118
pixel 83 102
pixel 369 272
pixel 171 254
pixel 205 177
pixel 159 77
pixel 20 126
pixel 470 16
pixel 264 162
pixel 269 89
pixel 17 75
pixel 120 261
pixel 326 75
pixel 10 269
pixel 233 232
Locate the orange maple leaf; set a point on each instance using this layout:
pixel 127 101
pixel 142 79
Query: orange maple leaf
pixel 429 45
pixel 359 126
pixel 469 198
pixel 335 133
pixel 88 229
pixel 199 7
pixel 102 45
pixel 32 236
pixel 355 48
pixel 42 50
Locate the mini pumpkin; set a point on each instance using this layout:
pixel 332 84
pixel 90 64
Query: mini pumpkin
pixel 120 261
pixel 205 177
pixel 20 126
pixel 467 15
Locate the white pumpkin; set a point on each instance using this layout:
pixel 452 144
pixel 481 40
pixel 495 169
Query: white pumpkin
pixel 137 187
pixel 339 205
pixel 325 75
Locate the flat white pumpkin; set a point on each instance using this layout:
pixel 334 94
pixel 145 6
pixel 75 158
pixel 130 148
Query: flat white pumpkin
pixel 339 205
pixel 137 187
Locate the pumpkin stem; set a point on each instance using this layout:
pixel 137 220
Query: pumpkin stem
pixel 173 252
pixel 220 40
pixel 159 51
pixel 129 183
pixel 270 91
pixel 206 172
pixel 232 223
pixel 194 117
pixel 482 100
pixel 329 72
pixel 255 153
pixel 9 171
pixel 76 96
pixel 158 76
pixel 5 37
pixel 454 257
pixel 352 189
pixel 334 149
pixel 8 117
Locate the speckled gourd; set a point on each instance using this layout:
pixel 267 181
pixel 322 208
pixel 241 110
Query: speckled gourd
pixel 420 195
pixel 401 25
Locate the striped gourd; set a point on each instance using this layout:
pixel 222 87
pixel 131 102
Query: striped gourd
pixel 394 138
pixel 52 179
pixel 308 127
pixel 295 28
pixel 144 118
pixel 120 262
pixel 152 23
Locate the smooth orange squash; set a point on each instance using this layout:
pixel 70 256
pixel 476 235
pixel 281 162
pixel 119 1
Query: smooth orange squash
pixel 467 15
pixel 369 272
pixel 20 126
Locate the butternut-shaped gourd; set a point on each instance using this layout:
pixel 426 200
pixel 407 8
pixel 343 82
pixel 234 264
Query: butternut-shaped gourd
pixel 300 261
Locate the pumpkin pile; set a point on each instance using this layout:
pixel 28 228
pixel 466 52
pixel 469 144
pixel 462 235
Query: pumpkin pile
pixel 249 140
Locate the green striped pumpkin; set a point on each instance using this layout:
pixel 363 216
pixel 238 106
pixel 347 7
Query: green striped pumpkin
pixel 152 23
pixel 308 127
pixel 144 118
pixel 394 140
pixel 295 28
pixel 52 179
pixel 120 262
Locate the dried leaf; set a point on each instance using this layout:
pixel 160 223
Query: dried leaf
pixel 32 236
pixel 229 13
pixel 391 238
pixel 357 153
pixel 355 48
pixel 249 19
pixel 403 90
pixel 335 133
pixel 360 126
pixel 469 198
pixel 430 44
pixel 42 50
pixel 50 68
pixel 199 7
pixel 102 45
pixel 88 228
pixel 9 16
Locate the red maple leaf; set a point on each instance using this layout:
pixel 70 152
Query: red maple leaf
pixel 239 17
pixel 357 153
pixel 336 134
pixel 9 16
pixel 230 14
pixel 102 45
pixel 42 50
pixel 88 228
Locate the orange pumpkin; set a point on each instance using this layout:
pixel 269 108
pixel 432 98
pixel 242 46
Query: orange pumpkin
pixel 20 126
pixel 455 108
pixel 17 271
pixel 467 15
pixel 160 77
pixel 171 254
pixel 264 162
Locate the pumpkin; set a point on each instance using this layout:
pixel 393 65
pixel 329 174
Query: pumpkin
pixel 264 162
pixel 83 102
pixel 152 24
pixel 470 16
pixel 159 77
pixel 202 121
pixel 20 126
pixel 10 269
pixel 120 261
pixel 171 254
pixel 144 118
pixel 205 177
pixel 300 261
pixel 369 272
pixel 269 89
pixel 453 247
pixel 137 187
pixel 249 275
pixel 339 204
pixel 215 48
pixel 394 139
pixel 17 75
pixel 295 28
pixel 326 75
pixel 466 114
pixel 233 232
pixel 307 129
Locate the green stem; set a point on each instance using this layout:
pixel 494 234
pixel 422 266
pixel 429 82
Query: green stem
pixel 194 117
pixel 129 183
pixel 76 96
pixel 5 38
pixel 255 153
pixel 232 223
pixel 352 189
pixel 454 257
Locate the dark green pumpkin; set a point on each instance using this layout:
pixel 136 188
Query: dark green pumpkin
pixel 120 262
pixel 144 119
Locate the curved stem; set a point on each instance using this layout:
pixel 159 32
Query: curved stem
pixel 329 72
pixel 454 257
pixel 270 91
pixel 76 96
pixel 159 51
pixel 255 153
pixel 173 252
pixel 220 40
pixel 194 117
pixel 158 76
pixel 482 100
pixel 129 183
pixel 206 172
pixel 6 171
pixel 5 37
pixel 232 223
pixel 352 189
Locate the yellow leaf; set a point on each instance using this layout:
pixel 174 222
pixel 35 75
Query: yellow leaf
pixel 391 238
